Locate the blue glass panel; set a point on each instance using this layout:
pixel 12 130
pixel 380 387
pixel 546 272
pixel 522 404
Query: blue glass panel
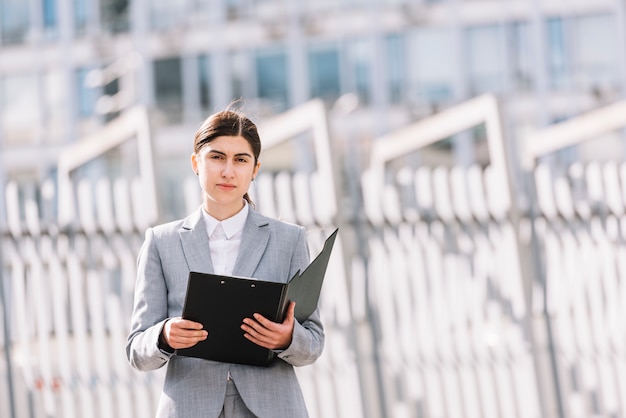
pixel 114 15
pixel 396 64
pixel 485 59
pixel 521 56
pixel 272 78
pixel 49 13
pixel 86 96
pixel 557 56
pixel 14 21
pixel 81 16
pixel 431 80
pixel 168 88
pixel 360 70
pixel 596 67
pixel 204 75
pixel 324 73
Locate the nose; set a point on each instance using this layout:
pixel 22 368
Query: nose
pixel 227 169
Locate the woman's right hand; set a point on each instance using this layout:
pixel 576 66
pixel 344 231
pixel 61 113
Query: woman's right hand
pixel 183 333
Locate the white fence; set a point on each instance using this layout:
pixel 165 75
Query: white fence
pixel 447 298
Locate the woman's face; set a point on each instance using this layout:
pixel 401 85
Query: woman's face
pixel 225 168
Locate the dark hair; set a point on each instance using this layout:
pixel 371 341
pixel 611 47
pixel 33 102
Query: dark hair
pixel 229 123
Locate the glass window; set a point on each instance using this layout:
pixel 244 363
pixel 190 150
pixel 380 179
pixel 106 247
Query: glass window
pixel 521 56
pixel 20 110
pixel 168 88
pixel 81 16
pixel 358 75
pixel 165 13
pixel 431 79
pixel 14 21
pixel 273 78
pixel 49 15
pixel 557 54
pixel 324 73
pixel 204 74
pixel 596 67
pixel 396 67
pixel 115 15
pixel 241 75
pixel 86 95
pixel 485 59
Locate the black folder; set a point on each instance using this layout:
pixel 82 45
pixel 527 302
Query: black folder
pixel 220 303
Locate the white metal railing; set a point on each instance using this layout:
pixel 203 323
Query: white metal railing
pixel 430 313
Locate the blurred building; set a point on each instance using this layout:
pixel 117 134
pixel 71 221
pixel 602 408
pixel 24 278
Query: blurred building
pixel 66 67
pixel 460 324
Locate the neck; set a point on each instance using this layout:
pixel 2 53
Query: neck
pixel 221 212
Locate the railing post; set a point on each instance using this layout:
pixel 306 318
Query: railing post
pixel 7 334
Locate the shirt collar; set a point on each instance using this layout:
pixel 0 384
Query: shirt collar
pixel 231 225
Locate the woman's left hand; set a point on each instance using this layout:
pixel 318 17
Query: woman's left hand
pixel 268 334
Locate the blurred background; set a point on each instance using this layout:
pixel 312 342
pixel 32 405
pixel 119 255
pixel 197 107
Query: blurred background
pixel 472 153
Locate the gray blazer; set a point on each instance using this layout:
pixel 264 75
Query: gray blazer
pixel 270 250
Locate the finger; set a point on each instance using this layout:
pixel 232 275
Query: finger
pixel 291 312
pixel 254 328
pixel 259 331
pixel 184 340
pixel 187 324
pixel 177 331
pixel 185 333
pixel 264 340
pixel 268 338
pixel 263 321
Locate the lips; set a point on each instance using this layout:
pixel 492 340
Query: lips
pixel 226 186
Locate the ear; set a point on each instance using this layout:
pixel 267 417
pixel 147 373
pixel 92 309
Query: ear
pixel 256 170
pixel 194 163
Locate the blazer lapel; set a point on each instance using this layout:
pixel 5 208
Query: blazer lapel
pixel 195 243
pixel 256 234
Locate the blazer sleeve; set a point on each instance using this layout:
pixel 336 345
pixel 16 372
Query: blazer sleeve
pixel 307 341
pixel 150 310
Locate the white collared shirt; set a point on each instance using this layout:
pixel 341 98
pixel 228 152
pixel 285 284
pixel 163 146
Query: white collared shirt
pixel 225 240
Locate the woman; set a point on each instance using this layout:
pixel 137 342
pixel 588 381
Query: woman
pixel 224 236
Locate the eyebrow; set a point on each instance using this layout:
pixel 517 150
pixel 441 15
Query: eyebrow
pixel 236 155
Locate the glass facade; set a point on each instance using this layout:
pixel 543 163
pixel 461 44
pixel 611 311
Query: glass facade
pixel 279 53
pixel 81 16
pixel 596 67
pixel 49 15
pixel 323 65
pixel 358 75
pixel 86 96
pixel 485 59
pixel 168 88
pixel 165 14
pixel 406 60
pixel 115 15
pixel 14 21
pixel 432 66
pixel 272 78
pixel 204 83
pixel 558 62
pixel 396 67
pixel 520 57
pixel 240 74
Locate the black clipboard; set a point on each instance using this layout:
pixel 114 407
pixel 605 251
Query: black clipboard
pixel 221 303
